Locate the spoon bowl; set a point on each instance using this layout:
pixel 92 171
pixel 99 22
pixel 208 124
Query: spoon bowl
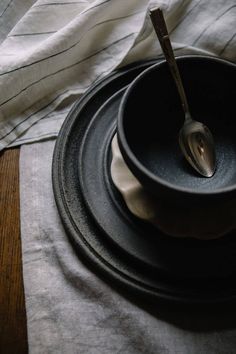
pixel 197 144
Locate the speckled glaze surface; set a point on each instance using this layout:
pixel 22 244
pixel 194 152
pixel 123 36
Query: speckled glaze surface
pixel 180 222
pixel 150 118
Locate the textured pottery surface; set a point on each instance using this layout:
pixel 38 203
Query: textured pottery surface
pixel 148 126
pixel 126 252
pixel 181 222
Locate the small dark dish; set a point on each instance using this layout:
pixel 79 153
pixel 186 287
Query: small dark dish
pixel 149 120
pixel 130 256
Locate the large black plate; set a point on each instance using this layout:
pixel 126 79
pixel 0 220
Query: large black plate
pixel 122 249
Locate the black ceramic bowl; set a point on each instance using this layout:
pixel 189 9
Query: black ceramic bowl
pixel 149 120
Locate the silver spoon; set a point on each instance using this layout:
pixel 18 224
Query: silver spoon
pixel 195 139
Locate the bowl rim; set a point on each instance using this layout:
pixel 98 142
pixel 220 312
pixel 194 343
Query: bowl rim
pixel 130 157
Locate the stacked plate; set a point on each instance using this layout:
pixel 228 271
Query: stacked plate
pixel 124 250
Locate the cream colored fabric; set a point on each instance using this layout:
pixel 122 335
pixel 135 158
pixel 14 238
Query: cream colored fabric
pixel 52 51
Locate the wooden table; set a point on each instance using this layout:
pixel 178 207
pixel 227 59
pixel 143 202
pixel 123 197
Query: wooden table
pixel 13 334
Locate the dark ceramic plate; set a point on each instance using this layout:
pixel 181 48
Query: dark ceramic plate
pixel 126 252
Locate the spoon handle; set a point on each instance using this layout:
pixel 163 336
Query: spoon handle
pixel 159 25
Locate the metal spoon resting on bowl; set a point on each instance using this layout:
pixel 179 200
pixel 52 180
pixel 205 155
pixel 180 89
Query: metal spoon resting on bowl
pixel 195 139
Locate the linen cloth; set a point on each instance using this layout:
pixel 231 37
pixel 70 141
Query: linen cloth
pixel 51 52
pixel 70 310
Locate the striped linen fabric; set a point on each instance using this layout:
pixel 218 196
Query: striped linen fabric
pixel 52 51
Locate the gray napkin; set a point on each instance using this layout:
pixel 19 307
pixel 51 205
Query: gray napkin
pixel 70 310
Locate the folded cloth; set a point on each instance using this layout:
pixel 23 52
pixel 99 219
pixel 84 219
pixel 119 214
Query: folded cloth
pixel 70 310
pixel 52 51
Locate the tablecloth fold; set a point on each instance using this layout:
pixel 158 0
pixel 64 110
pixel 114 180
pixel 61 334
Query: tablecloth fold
pixel 51 52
